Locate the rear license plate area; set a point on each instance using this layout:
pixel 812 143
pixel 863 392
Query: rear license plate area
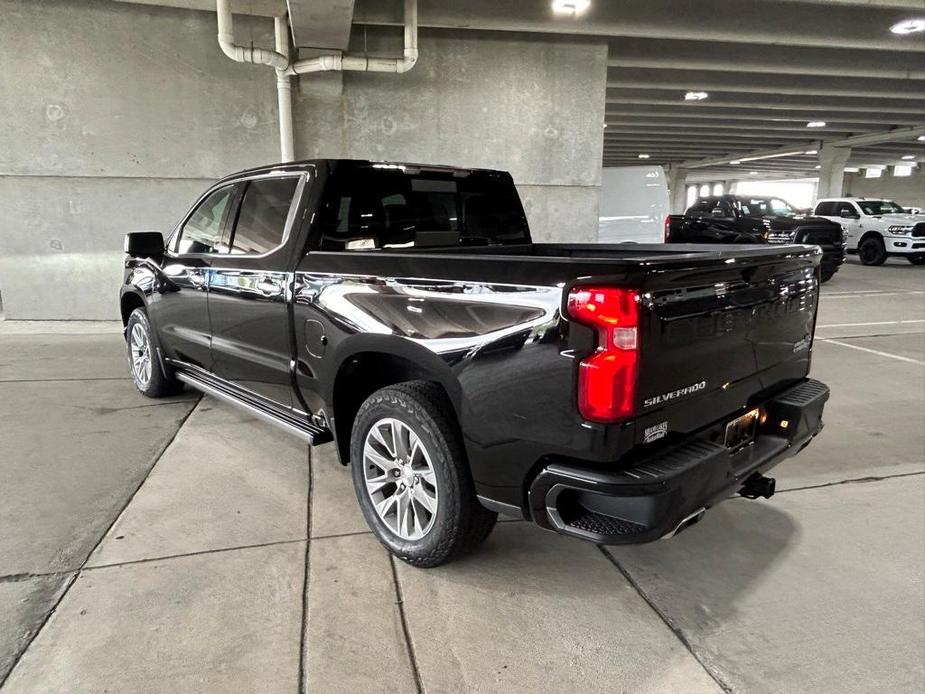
pixel 741 431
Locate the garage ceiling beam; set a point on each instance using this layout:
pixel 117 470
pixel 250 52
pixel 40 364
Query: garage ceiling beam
pixel 854 26
pixel 769 102
pixel 750 83
pixel 679 135
pixel 763 155
pixel 680 124
pixel 892 4
pixel 719 147
pixel 795 116
pixel 697 55
pixel 895 135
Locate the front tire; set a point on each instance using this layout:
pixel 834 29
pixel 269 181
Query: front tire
pixel 143 363
pixel 411 476
pixel 872 251
pixel 827 274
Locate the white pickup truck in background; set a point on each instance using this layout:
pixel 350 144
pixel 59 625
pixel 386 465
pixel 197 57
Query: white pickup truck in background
pixel 877 229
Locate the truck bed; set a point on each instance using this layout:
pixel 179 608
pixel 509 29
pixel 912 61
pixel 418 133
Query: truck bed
pixel 720 326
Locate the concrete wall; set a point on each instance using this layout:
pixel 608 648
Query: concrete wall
pixel 905 190
pixel 117 115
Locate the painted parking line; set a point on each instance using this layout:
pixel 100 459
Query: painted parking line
pixel 873 351
pixel 857 325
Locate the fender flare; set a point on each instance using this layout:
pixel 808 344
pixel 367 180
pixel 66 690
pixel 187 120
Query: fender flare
pixel 429 362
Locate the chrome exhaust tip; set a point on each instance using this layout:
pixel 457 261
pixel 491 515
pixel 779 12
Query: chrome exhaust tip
pixel 686 522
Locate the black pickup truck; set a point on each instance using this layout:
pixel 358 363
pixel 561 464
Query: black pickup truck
pixel 744 219
pixel 611 393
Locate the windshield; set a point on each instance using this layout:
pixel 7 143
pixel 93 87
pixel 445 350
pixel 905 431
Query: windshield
pixel 877 207
pixel 370 206
pixel 765 207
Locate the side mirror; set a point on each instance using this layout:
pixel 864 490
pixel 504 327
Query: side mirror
pixel 144 244
pixel 848 214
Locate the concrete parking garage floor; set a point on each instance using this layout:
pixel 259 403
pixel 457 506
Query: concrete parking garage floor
pixel 182 546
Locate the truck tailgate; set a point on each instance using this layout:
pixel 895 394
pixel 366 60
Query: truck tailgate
pixel 723 335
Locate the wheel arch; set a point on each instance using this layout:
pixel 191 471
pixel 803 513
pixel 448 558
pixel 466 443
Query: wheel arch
pixel 128 302
pixel 870 234
pixel 370 367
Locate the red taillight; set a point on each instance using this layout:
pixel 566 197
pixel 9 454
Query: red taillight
pixel 668 228
pixel 607 379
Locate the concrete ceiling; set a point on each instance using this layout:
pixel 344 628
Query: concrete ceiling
pixel 769 66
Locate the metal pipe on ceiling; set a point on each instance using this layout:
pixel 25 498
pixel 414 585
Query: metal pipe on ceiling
pixel 237 52
pixel 280 61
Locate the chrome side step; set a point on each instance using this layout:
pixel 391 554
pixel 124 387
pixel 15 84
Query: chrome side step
pixel 306 431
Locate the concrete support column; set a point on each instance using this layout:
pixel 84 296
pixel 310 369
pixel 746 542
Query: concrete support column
pixel 832 162
pixel 677 189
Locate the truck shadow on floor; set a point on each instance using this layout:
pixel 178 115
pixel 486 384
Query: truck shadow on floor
pixel 727 554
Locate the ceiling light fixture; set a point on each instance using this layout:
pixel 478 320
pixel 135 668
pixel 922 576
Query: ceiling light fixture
pixel 752 173
pixel 735 162
pixel 909 156
pixel 909 26
pixel 695 96
pixel 921 138
pixel 642 156
pixel 811 151
pixel 816 124
pixel 851 169
pixel 570 8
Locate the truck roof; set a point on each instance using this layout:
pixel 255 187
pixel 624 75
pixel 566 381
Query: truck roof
pixel 846 197
pixel 303 165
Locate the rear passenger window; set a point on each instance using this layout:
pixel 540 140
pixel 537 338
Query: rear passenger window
pixel 383 206
pixel 262 215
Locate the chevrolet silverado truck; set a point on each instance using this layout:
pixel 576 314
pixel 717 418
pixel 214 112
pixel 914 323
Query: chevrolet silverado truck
pixel 608 392
pixel 749 219
pixel 877 229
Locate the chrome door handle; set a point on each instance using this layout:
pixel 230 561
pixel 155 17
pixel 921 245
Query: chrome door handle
pixel 269 287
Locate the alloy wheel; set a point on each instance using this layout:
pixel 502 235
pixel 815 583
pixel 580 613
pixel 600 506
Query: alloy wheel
pixel 400 479
pixel 140 355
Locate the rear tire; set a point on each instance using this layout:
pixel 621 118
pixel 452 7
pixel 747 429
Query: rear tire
pixel 872 251
pixel 411 476
pixel 143 362
pixel 827 275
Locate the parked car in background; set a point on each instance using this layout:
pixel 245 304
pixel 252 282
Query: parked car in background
pixel 607 392
pixel 877 229
pixel 751 219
